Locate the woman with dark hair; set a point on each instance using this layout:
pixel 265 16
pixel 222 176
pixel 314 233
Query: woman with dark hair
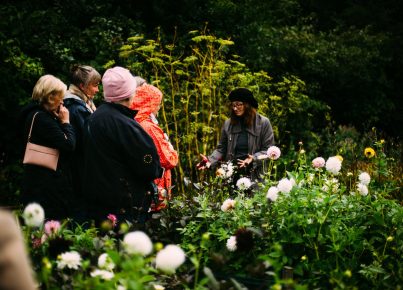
pixel 84 82
pixel 245 136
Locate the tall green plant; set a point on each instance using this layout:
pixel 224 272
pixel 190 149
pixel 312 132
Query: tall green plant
pixel 196 73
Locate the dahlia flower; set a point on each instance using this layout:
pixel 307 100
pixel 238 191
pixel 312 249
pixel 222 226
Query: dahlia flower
pixel 71 260
pixel 243 183
pixel 273 152
pixel 228 204
pixel 272 193
pixel 33 215
pixel 362 189
pixel 364 178
pixel 333 165
pixel 231 244
pixel 137 243
pixel 284 185
pixel 369 152
pixel 169 258
pixel 51 227
pixel 105 262
pixel 318 162
pixel 103 274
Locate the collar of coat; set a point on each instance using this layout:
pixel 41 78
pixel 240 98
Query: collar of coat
pixel 122 109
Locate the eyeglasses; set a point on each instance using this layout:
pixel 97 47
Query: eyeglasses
pixel 236 104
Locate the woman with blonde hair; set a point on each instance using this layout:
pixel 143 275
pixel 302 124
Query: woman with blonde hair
pixel 51 128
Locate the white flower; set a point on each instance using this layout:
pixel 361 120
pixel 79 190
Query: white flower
pixel 284 185
pixel 71 260
pixel 310 178
pixel 364 178
pixel 318 162
pixel 231 244
pixel 273 152
pixel 331 185
pixel 228 204
pixel 272 193
pixel 137 243
pixel 33 215
pixel 169 258
pixel 243 183
pixel 158 287
pixel 105 262
pixel 103 274
pixel 333 165
pixel 226 170
pixel 362 189
pixel 121 287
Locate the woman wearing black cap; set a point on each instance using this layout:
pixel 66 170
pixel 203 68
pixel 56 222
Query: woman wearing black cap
pixel 245 136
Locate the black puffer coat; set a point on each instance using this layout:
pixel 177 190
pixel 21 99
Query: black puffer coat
pixel 121 162
pixel 51 189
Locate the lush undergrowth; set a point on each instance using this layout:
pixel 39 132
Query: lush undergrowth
pixel 309 223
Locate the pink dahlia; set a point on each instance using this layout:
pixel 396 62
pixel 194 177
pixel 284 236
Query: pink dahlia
pixel 318 162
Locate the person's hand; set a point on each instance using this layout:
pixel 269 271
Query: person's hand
pixel 63 115
pixel 246 162
pixel 205 163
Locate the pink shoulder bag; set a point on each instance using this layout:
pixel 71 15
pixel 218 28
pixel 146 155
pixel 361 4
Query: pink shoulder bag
pixel 40 155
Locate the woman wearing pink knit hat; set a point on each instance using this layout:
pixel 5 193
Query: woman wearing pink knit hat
pixel 121 160
pixel 147 101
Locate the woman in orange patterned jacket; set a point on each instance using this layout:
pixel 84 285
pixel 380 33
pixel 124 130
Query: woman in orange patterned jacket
pixel 147 101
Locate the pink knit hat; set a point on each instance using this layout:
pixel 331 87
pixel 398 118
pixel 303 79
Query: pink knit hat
pixel 118 84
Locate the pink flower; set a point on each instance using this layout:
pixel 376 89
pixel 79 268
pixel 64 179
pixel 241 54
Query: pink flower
pixel 318 162
pixel 113 219
pixel 273 152
pixel 51 227
pixel 36 243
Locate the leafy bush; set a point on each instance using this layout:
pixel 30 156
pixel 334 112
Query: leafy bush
pixel 328 228
pixel 314 225
pixel 196 75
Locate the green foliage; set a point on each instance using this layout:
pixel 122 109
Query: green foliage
pixel 323 227
pixel 37 38
pixel 330 235
pixel 196 74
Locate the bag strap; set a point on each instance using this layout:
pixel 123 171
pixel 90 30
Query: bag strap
pixel 30 129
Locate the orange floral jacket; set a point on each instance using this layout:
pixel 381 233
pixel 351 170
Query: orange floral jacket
pixel 147 101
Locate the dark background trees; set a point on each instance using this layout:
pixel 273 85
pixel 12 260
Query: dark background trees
pixel 347 52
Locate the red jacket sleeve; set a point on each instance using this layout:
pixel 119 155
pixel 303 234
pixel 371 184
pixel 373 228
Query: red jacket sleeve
pixel 168 155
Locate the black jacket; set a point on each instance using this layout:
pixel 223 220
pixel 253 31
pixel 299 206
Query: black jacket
pixel 51 189
pixel 78 114
pixel 121 162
